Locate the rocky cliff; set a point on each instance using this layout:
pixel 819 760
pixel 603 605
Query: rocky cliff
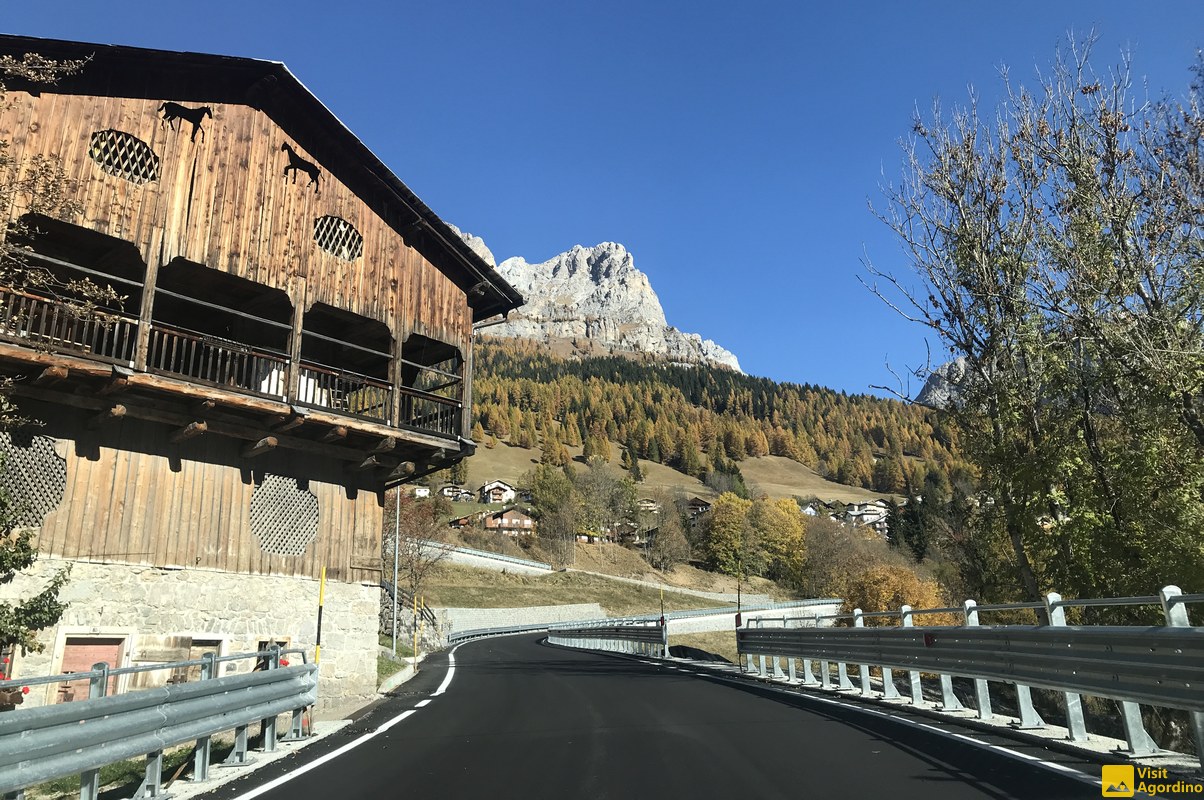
pixel 595 295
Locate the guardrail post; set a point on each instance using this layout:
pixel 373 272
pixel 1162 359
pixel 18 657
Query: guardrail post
pixel 1075 723
pixel 917 692
pixel 1176 617
pixel 98 686
pixel 862 669
pixel 825 677
pixel 268 726
pixel 790 674
pixel 203 753
pixel 764 672
pixel 665 641
pixel 982 691
pixel 808 676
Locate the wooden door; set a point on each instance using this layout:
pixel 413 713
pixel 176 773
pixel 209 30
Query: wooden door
pixel 79 654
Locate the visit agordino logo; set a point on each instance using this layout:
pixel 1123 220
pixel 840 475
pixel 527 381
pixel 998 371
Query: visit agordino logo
pixel 1125 780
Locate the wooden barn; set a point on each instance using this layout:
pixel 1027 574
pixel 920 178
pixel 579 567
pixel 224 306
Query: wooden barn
pixel 294 335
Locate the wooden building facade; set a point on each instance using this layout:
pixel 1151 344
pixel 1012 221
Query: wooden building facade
pixel 294 333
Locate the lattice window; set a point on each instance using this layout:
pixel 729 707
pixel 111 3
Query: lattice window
pixel 338 237
pixel 124 155
pixel 284 517
pixel 32 477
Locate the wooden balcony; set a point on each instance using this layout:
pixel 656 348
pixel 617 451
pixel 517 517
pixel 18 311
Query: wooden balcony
pixel 50 325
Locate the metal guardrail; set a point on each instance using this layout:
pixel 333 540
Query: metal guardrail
pixel 1157 665
pixel 639 619
pixel 643 640
pixel 48 742
pixel 468 551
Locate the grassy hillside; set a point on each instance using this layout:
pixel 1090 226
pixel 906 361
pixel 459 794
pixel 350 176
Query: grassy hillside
pixel 775 476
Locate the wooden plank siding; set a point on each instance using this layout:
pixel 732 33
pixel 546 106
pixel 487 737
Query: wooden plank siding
pixel 130 497
pixel 223 202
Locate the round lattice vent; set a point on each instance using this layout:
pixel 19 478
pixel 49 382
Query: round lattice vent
pixel 284 517
pixel 124 155
pixel 338 237
pixel 32 477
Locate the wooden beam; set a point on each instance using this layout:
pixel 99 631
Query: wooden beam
pixel 280 424
pixel 114 412
pixel 264 445
pixel 385 445
pixel 372 462
pixel 172 414
pixel 189 431
pixel 119 381
pixel 336 434
pixel 51 375
pixel 402 470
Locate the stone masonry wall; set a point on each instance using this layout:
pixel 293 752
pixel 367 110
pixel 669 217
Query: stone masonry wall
pixel 118 600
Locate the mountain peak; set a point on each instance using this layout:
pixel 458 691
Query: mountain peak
pixel 597 294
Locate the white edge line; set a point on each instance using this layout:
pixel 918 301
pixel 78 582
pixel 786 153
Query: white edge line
pixel 451 670
pixel 354 743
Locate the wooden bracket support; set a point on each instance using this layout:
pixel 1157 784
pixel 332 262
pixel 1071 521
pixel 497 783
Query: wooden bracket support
pixel 119 381
pixel 372 462
pixel 264 445
pixel 385 445
pixel 189 431
pixel 115 412
pixel 335 434
pixel 51 376
pixel 281 424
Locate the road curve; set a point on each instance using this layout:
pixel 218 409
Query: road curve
pixel 521 718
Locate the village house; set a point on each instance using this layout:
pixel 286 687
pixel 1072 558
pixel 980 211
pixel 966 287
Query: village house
pixel 498 492
pixel 696 506
pixel 294 337
pixel 870 514
pixel 511 521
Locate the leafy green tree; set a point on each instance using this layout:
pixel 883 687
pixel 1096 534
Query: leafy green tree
pixel 1057 241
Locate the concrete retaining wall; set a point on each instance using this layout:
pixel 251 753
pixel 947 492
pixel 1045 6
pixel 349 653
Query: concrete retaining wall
pixel 727 620
pixel 464 619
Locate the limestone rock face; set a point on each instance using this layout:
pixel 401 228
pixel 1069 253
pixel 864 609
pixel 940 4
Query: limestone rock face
pixel 943 389
pixel 596 294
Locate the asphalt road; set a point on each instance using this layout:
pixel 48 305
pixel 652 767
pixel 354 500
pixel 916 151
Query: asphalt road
pixel 526 720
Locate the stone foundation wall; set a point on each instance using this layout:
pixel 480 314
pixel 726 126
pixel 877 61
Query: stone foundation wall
pixel 144 604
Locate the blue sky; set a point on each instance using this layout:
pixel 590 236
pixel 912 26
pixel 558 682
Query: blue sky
pixel 732 148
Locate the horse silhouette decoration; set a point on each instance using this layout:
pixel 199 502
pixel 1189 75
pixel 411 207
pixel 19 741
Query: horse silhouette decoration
pixel 296 162
pixel 174 112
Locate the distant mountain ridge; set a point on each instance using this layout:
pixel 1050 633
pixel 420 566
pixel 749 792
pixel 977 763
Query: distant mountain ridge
pixel 595 294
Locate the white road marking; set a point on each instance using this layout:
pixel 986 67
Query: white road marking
pixel 354 743
pixel 451 670
pixel 423 703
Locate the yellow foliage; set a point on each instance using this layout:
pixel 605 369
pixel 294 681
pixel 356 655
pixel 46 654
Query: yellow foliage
pixel 887 587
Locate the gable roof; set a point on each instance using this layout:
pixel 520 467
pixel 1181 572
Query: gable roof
pixel 136 72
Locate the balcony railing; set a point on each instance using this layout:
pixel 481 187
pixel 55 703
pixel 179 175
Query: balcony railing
pixel 59 326
pixel 430 412
pixel 217 361
pixel 344 392
pixel 63 327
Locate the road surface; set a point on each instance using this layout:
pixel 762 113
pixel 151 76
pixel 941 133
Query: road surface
pixel 519 718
